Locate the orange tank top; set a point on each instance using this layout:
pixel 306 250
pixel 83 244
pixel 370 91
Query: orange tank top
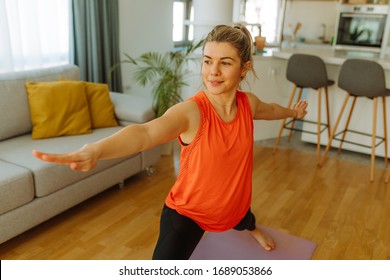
pixel 214 185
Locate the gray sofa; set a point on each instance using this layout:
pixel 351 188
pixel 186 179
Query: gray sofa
pixel 32 191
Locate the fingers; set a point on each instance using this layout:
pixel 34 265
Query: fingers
pixel 301 107
pixel 76 161
pixel 301 104
pixel 56 158
pixel 82 166
pixel 39 154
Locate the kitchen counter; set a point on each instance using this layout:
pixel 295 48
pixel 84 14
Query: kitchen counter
pixel 332 56
pixel 333 60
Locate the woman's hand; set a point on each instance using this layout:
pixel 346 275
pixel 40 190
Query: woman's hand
pixel 83 159
pixel 300 108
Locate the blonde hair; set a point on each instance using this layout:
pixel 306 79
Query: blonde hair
pixel 238 36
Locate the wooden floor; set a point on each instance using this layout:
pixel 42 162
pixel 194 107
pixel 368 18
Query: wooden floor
pixel 334 206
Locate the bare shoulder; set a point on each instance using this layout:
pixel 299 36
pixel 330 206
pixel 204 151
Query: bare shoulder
pixel 188 115
pixel 186 108
pixel 253 101
pixel 178 119
pixel 252 97
pixel 185 114
pixel 192 112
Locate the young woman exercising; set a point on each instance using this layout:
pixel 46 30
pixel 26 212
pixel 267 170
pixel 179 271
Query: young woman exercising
pixel 213 190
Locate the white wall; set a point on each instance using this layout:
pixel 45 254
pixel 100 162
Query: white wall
pixel 311 14
pixel 145 25
pixel 208 14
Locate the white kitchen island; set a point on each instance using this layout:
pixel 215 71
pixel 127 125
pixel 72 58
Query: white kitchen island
pixel 362 117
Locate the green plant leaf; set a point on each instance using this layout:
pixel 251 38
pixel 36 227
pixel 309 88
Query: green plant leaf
pixel 165 72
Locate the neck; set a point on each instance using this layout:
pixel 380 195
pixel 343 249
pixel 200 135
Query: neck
pixel 222 100
pixel 224 104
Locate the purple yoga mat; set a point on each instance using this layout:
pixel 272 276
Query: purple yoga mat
pixel 240 245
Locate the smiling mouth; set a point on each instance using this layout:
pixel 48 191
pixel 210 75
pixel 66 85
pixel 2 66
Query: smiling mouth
pixel 215 83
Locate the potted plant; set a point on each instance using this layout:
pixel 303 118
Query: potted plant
pixel 165 72
pixel 259 39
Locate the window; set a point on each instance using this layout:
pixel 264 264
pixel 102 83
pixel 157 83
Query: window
pixel 183 12
pixel 33 34
pixel 266 14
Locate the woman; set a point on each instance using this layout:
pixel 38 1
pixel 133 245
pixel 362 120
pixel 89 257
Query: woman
pixel 215 129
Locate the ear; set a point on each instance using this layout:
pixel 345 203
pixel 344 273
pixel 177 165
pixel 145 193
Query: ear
pixel 246 68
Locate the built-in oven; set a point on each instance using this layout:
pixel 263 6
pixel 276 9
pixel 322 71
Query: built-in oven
pixel 362 27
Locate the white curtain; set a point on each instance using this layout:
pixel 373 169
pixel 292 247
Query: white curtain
pixel 33 34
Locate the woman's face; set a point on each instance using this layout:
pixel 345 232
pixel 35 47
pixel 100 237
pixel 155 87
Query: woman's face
pixel 221 68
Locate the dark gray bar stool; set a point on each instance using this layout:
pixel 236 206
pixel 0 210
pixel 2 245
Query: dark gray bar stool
pixel 362 78
pixel 307 71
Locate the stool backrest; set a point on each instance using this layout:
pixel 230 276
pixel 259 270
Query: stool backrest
pixel 307 71
pixel 360 77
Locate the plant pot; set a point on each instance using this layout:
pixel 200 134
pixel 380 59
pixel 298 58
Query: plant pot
pixel 260 42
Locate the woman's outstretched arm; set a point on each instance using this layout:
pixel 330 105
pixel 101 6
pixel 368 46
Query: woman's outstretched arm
pixel 129 140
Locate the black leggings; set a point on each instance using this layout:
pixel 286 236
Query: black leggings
pixel 179 235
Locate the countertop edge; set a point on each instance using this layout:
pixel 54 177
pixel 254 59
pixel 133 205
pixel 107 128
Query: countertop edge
pixel 331 56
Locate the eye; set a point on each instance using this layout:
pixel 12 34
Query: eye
pixel 226 63
pixel 207 61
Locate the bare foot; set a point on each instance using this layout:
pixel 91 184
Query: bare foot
pixel 264 240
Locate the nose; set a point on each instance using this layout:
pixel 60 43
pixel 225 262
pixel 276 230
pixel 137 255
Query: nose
pixel 215 71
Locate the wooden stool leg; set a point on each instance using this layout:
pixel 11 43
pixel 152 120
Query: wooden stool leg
pixel 327 111
pixel 284 120
pixel 385 129
pixel 373 144
pixel 388 177
pixel 334 129
pixel 319 127
pixel 347 123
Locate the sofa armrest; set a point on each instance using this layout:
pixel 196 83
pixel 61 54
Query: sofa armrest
pixel 132 108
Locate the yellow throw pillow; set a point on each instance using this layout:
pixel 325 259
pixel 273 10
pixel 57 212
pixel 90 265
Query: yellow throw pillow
pixel 58 108
pixel 100 105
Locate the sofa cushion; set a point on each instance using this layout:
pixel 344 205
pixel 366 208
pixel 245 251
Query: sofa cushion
pixel 49 177
pixel 132 108
pixel 15 113
pixel 58 108
pixel 16 186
